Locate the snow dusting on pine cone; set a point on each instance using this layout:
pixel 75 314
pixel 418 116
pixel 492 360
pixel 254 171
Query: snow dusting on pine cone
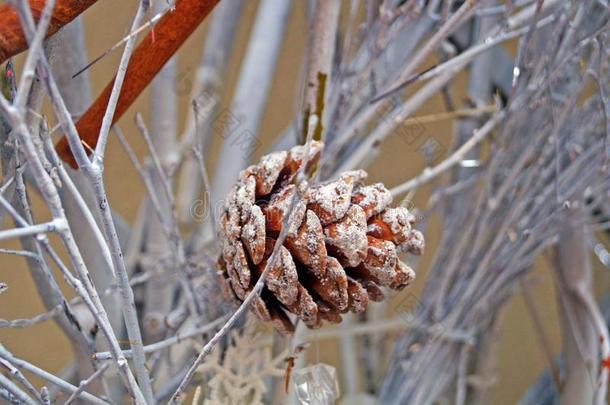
pixel 342 245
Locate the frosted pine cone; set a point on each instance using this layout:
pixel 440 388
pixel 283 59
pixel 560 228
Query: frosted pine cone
pixel 342 244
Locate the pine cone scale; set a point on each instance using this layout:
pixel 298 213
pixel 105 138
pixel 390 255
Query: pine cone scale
pixel 253 235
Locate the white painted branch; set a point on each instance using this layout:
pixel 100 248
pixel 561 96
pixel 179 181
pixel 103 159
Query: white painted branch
pixel 69 52
pixel 117 85
pixel 87 220
pixel 206 94
pixel 46 227
pixel 457 62
pixel 440 34
pixel 203 172
pixel 129 309
pixel 77 197
pixel 159 291
pixel 349 357
pixel 167 219
pixel 35 42
pixel 321 49
pixel 174 339
pixel 58 104
pixel 24 253
pixel 240 125
pixel 84 383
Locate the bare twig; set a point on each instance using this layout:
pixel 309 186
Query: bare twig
pixel 160 143
pixel 116 86
pixel 32 59
pixel 452 160
pixel 175 339
pixel 83 384
pixel 47 227
pixel 447 28
pixel 250 95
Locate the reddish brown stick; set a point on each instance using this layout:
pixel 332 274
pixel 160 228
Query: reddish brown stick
pixel 12 40
pixel 146 61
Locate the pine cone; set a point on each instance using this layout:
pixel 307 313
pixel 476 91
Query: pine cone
pixel 342 244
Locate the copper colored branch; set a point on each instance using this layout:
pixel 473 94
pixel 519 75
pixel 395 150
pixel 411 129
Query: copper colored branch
pixel 12 40
pixel 147 60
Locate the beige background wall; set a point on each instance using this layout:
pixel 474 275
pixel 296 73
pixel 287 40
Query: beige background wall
pixel 520 359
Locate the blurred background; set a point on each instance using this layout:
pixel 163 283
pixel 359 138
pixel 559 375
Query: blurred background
pixel 520 357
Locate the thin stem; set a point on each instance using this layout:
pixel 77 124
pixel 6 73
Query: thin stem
pixel 452 160
pixel 163 177
pixel 46 227
pixel 83 384
pixel 35 51
pixel 26 322
pixel 116 88
pixel 23 253
pixel 175 339
pixel 206 185
pixel 129 307
pixel 440 35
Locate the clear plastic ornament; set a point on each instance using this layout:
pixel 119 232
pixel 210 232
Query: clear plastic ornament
pixel 316 385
